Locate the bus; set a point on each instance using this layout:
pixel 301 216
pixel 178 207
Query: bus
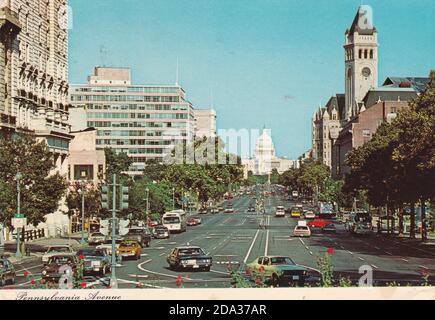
pixel 326 210
pixel 175 221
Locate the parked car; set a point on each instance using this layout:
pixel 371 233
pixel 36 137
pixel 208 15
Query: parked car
pixel 221 209
pixel 153 223
pixel 198 220
pixel 161 232
pixel 97 238
pixel 95 261
pixel 251 208
pixel 140 234
pixel 329 228
pixel 129 249
pixel 203 210
pixel 55 250
pixel 189 257
pixel 215 210
pixel 57 264
pixel 277 270
pixel 7 272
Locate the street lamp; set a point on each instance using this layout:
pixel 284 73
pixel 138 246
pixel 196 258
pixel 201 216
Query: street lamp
pixel 18 177
pixel 147 192
pixel 173 198
pixel 82 193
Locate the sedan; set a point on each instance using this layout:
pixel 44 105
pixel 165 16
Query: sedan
pixel 7 272
pixel 191 222
pixel 329 228
pixel 189 257
pixel 129 249
pixel 97 238
pixel 95 260
pixel 301 231
pixel 57 266
pixel 54 250
pixel 277 270
pixel 160 232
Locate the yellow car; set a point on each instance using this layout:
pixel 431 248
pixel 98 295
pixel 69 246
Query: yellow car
pixel 129 249
pixel 295 213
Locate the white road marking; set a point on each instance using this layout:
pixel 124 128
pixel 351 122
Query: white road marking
pixel 252 245
pixel 162 254
pixel 362 259
pixel 426 268
pixel 226 255
pixel 374 266
pixel 143 254
pixel 389 253
pixel 266 248
pixel 138 275
pixel 406 260
pixel 302 241
pixel 349 252
pixel 311 252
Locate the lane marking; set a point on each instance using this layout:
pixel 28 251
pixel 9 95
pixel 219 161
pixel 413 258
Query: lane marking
pixel 302 241
pixel 162 254
pixel 421 266
pixel 390 254
pixel 266 248
pixel 374 266
pixel 349 252
pixel 252 245
pixel 362 259
pixel 406 260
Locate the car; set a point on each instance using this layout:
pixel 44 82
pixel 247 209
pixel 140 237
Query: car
pixel 203 210
pixel 57 266
pixel 56 249
pixel 277 270
pixel 161 232
pixel 7 272
pixel 108 249
pixel 220 208
pixel 95 261
pixel 251 208
pixel 295 212
pixel 302 230
pixel 215 210
pixel 97 238
pixel 329 228
pixel 280 212
pixel 129 249
pixel 198 220
pixel 140 234
pixel 318 223
pixel 361 229
pixel 309 214
pixel 189 257
pixel 229 208
pixel 191 222
pixel 153 223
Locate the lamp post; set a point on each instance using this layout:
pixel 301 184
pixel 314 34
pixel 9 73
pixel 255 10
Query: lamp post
pixel 147 193
pixel 173 198
pixel 82 193
pixel 18 177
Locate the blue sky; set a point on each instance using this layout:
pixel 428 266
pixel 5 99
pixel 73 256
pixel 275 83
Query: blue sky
pixel 265 62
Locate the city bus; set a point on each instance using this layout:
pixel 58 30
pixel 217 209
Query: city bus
pixel 175 221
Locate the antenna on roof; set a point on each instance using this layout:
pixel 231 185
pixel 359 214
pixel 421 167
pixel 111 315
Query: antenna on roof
pixel 177 74
pixel 103 55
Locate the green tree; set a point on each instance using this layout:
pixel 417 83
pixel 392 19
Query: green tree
pixel 41 189
pixel 116 163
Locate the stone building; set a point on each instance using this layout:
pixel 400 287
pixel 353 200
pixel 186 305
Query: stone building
pixel 205 123
pixel 34 72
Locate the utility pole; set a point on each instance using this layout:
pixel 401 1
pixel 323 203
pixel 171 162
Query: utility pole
pixel 18 254
pixel 113 279
pixel 82 192
pixel 147 192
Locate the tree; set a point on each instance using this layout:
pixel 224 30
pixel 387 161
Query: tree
pixel 116 163
pixel 41 189
pixel 92 200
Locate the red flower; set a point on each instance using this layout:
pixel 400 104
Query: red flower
pixel 82 257
pixel 109 287
pixel 261 269
pixel 83 285
pixel 330 251
pixel 26 274
pixel 32 281
pixel 257 281
pixel 178 281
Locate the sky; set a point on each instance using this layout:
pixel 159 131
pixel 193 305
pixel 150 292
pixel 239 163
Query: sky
pixel 256 62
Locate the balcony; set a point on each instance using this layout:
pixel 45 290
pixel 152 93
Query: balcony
pixel 10 19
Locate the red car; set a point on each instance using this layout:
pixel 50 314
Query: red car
pixel 192 222
pixel 318 223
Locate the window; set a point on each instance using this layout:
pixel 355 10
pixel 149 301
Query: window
pixel 360 53
pixel 365 54
pixel 83 172
pixel 371 54
pixel 393 109
pixel 366 133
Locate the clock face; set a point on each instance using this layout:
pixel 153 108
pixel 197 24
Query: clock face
pixel 366 72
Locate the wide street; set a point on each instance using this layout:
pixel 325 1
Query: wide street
pixel 233 239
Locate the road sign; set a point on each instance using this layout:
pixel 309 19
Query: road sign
pixel 19 215
pixel 19 222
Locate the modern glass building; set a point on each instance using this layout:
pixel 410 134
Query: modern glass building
pixel 143 121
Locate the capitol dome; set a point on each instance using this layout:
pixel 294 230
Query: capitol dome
pixel 264 147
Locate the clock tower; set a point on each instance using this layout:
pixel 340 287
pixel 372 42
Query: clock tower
pixel 361 60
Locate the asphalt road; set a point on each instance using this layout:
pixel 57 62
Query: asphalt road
pixel 234 239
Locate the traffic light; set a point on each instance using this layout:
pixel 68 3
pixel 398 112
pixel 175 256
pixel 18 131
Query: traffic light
pixel 124 198
pixel 105 197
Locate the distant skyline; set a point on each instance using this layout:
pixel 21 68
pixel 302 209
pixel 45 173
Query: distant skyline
pixel 257 62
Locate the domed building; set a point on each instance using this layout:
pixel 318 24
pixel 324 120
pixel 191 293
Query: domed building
pixel 264 158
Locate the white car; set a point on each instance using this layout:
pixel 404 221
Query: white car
pixel 97 238
pixel 55 250
pixel 309 215
pixel 280 211
pixel 302 230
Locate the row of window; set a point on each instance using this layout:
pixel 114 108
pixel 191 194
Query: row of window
pixel 111 115
pixel 133 142
pixel 79 98
pixel 366 53
pixel 108 124
pixel 130 89
pixel 148 107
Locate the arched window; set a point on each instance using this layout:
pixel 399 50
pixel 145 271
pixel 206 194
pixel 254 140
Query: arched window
pixel 365 54
pixel 371 54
